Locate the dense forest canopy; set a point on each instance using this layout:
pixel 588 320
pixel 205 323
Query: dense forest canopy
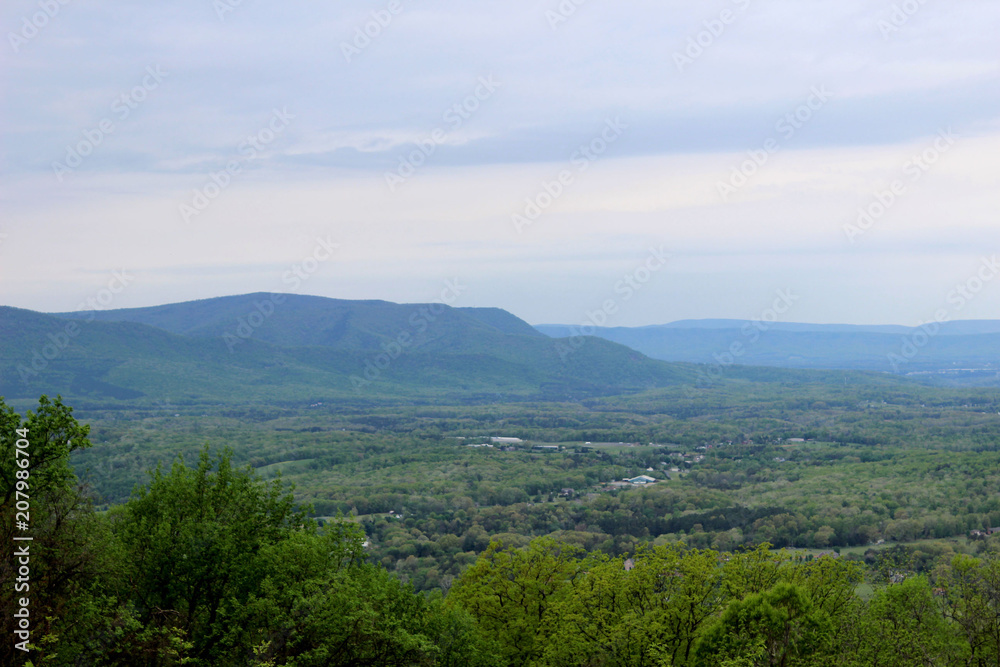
pixel 771 536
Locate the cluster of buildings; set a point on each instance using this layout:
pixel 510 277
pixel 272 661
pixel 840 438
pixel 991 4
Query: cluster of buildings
pixel 981 534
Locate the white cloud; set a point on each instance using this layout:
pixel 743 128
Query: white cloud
pixel 657 186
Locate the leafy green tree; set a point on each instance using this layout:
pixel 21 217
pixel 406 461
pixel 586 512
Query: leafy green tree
pixel 69 550
pixel 753 571
pixel 460 641
pixel 641 614
pixel 514 595
pixel 233 567
pixel 192 544
pixel 971 591
pixel 829 582
pixel 905 626
pixel 320 604
pixel 779 628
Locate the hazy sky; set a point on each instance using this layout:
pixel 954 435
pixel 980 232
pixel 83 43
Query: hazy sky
pixel 575 155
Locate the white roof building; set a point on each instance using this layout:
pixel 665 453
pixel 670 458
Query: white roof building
pixel 641 479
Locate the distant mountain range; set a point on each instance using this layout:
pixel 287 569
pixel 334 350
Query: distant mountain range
pixel 293 348
pixel 966 352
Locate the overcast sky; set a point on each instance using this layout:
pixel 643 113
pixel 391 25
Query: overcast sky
pixel 119 121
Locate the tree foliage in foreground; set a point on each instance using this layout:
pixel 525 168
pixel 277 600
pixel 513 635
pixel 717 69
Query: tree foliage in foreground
pixel 209 565
pixel 204 566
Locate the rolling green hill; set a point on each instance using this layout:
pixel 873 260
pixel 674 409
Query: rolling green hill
pixel 295 349
pixel 292 320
